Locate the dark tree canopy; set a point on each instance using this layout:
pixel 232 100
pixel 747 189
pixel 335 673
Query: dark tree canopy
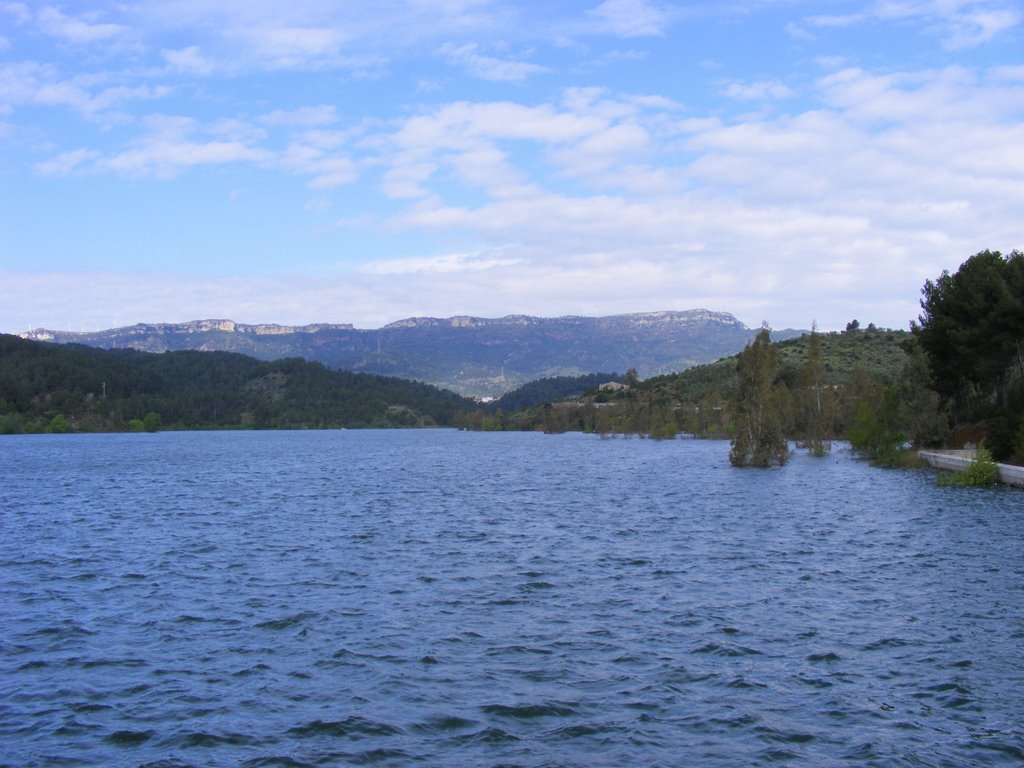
pixel 96 390
pixel 972 326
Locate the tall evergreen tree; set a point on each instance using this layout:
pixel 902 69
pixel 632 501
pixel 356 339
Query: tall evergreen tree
pixel 758 437
pixel 971 327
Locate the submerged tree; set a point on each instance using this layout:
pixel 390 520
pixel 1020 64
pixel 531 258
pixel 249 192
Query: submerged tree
pixel 758 437
pixel 875 434
pixel 814 399
pixel 871 418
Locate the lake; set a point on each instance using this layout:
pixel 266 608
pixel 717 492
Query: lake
pixel 446 598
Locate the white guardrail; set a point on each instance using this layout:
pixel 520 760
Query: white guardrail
pixel 954 461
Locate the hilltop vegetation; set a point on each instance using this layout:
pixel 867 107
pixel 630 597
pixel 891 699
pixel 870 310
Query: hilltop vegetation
pixel 697 400
pixel 957 376
pixel 47 387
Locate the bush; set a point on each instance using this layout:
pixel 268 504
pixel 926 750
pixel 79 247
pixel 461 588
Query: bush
pixel 11 424
pixel 981 471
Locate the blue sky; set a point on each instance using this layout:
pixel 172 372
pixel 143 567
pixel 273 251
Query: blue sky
pixel 327 161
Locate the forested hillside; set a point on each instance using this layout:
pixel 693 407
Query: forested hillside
pixel 550 389
pixel 957 377
pixel 697 400
pixel 48 387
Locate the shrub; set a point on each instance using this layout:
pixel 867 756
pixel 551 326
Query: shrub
pixel 981 471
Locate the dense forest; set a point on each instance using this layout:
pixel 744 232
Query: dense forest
pixel 47 387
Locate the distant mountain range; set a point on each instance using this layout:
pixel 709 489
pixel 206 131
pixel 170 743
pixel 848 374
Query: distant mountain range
pixel 470 355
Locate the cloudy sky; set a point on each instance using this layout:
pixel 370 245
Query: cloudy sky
pixel 333 161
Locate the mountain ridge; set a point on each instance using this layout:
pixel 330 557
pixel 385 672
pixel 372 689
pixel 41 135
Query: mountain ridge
pixel 454 321
pixel 470 355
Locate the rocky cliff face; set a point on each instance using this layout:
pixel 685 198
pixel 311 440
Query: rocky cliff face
pixel 471 355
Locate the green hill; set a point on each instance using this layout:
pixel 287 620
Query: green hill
pixel 877 353
pixel 856 362
pixel 92 389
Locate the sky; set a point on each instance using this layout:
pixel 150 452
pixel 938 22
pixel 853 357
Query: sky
pixel 325 161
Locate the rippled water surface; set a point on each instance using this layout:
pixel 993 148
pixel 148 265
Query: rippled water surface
pixel 463 599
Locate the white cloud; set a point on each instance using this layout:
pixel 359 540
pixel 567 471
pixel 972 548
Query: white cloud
pixel 304 117
pixel 164 152
pixel 294 47
pixel 890 174
pixel 455 125
pixel 978 27
pixel 1014 73
pixel 758 91
pixel 80 30
pixel 325 139
pixel 326 169
pixel 188 60
pixel 489 67
pixel 237 129
pixel 953 93
pixel 31 83
pixel 173 144
pixel 19 12
pixel 407 177
pixel 805 28
pixel 582 200
pixel 630 18
pixel 67 163
pixel 846 20
pixel 446 263
pixel 959 23
pixel 589 137
pixel 167 158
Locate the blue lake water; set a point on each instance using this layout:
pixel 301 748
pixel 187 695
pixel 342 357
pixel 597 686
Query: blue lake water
pixel 444 598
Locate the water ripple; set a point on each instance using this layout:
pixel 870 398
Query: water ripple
pixel 444 598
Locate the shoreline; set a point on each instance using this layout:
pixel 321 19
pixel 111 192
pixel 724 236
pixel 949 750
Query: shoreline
pixel 954 461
